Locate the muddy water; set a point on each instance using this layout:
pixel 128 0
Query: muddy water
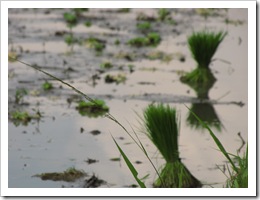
pixel 62 137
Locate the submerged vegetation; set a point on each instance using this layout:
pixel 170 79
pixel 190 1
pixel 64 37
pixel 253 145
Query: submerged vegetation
pixel 68 175
pixel 23 117
pixel 92 109
pixel 151 39
pixel 119 78
pixel 96 44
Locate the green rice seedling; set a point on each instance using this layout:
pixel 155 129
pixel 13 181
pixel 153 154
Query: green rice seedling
pixel 163 14
pixel 92 109
pixel 207 113
pixel 162 128
pixel 88 23
pixel 144 27
pixel 151 39
pixel 94 43
pixel 203 46
pixel 106 65
pixel 71 19
pixel 20 117
pixel 19 94
pixel 47 85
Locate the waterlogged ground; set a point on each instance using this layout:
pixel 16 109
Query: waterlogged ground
pixel 60 138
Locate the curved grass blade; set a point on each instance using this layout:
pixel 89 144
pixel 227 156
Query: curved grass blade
pixel 130 165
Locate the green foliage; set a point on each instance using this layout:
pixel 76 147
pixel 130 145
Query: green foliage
pixel 117 42
pixel 163 14
pixel 95 44
pixel 130 165
pixel 70 40
pixel 47 85
pixel 106 65
pixel 151 39
pixel 23 117
pixel 201 80
pixel 239 179
pixel 176 175
pixel 144 27
pixel 92 109
pixel 203 46
pixel 19 94
pixel 71 19
pixel 161 126
pixel 19 117
pixel 88 23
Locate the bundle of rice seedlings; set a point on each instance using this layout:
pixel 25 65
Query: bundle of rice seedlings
pixel 162 128
pixel 203 46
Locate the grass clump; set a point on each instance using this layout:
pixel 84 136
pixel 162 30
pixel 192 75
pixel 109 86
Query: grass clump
pixel 47 86
pixel 20 117
pixel 151 39
pixel 239 178
pixel 68 175
pixel 162 128
pixel 163 14
pixel 92 109
pixel 203 46
pixel 96 44
pixel 71 19
pixel 106 65
pixel 144 27
pixel 88 23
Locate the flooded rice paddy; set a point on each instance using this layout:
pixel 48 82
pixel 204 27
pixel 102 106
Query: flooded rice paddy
pixel 58 137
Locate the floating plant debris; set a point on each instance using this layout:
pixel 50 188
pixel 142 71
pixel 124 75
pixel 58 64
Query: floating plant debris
pixel 92 109
pixel 69 175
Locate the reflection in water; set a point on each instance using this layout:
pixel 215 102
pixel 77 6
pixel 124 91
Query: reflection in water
pixel 207 113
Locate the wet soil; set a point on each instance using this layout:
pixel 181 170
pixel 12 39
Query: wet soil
pixel 63 138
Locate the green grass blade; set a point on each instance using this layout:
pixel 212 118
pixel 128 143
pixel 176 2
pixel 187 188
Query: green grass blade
pixel 216 140
pixel 130 166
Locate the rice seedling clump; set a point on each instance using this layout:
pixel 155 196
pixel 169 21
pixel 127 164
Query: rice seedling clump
pixel 162 128
pixel 203 46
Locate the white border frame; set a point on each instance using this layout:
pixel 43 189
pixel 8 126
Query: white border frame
pixel 251 191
